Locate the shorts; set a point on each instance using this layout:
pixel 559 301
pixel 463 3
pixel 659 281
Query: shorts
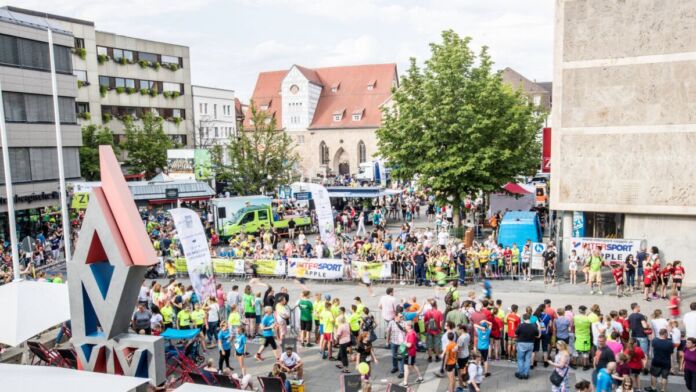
pixel 647 281
pixel 542 343
pixel 462 362
pixel 317 326
pixel 582 344
pixel 270 341
pixel 657 371
pixel 677 282
pixel 328 337
pixel 410 360
pixel 511 339
pixel 449 368
pixel 433 342
pixel 306 325
pixel 595 276
pixel 250 315
pixel 239 354
pixel 484 355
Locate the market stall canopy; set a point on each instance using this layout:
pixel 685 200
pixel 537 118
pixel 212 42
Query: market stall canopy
pixel 183 190
pixel 29 308
pixel 57 379
pixel 360 192
pixel 203 388
pixel 516 189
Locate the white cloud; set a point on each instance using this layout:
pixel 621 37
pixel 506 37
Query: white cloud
pixel 364 49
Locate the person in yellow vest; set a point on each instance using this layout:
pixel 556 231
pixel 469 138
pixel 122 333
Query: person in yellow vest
pixel 234 320
pixel 326 318
pixel 359 305
pixel 335 307
pixel 167 312
pixel 198 317
pixel 317 308
pixel 183 318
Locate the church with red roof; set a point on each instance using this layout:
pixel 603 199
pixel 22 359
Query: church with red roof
pixel 331 113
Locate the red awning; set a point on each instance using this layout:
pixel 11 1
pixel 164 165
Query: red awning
pixel 515 189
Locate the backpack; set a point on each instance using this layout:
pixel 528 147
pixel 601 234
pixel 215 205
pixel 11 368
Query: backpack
pixel 432 326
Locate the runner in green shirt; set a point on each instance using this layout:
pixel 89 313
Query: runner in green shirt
pixel 354 320
pixel 306 315
pixel 248 301
pixel 317 308
pixel 595 263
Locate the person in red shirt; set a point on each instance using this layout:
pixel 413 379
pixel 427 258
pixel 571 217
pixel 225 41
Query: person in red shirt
pixel 618 273
pixel 677 276
pixel 636 361
pixel 433 320
pixel 410 361
pixel 623 319
pixel 674 302
pixel 496 334
pixel 513 321
pixel 647 281
pixel 656 277
pixel 665 273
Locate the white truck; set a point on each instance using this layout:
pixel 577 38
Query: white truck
pixel 371 172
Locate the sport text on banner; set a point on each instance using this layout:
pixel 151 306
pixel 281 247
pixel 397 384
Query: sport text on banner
pixel 612 250
pixel 315 268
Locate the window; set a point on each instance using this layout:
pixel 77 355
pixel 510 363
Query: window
pixel 300 139
pixel 14 107
pixel 357 117
pixel 66 109
pixel 39 108
pixel 33 54
pixel 119 82
pixel 104 81
pixel 102 51
pixel 130 83
pixel 205 106
pixel 27 53
pixel 371 85
pixel 20 164
pixel 82 107
pixel 604 225
pixel 248 218
pixel 323 154
pixel 168 86
pixel 170 60
pixel 337 117
pixel 147 84
pixel 214 110
pixel 216 132
pixel 263 215
pixel 63 59
pixel 362 152
pixel 537 100
pixel 8 50
pixel 176 113
pixel 81 75
pixel 79 43
pixel 151 57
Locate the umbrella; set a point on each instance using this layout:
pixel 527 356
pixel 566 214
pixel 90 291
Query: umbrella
pixel 29 308
pixel 56 379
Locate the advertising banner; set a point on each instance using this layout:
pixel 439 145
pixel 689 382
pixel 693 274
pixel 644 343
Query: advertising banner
pixel 315 268
pixel 578 224
pixel 374 270
pixel 270 267
pixel 80 201
pixel 322 203
pixel 220 266
pixel 546 151
pixel 537 260
pixel 612 250
pixel 203 164
pixel 195 245
pixel 180 164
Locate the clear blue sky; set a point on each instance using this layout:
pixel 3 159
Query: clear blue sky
pixel 231 41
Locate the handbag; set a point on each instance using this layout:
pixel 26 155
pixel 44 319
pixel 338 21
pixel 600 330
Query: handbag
pixel 556 379
pixel 402 352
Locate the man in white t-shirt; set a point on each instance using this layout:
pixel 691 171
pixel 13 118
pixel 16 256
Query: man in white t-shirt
pixel 442 238
pixel 290 362
pixel 690 321
pixel 144 294
pixel 233 298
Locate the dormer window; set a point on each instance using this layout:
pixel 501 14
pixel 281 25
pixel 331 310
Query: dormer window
pixel 264 105
pixel 338 115
pixel 371 84
pixel 357 114
pixel 335 87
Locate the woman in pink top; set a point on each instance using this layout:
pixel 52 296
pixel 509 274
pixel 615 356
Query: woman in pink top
pixel 220 295
pixel 342 335
pixel 614 343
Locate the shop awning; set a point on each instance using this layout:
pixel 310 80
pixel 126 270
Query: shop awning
pixel 362 192
pixel 515 189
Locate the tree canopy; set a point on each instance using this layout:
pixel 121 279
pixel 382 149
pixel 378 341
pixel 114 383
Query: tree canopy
pixel 456 125
pixel 261 157
pixel 146 145
pixel 92 137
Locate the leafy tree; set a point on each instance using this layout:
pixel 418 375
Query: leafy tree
pixel 93 136
pixel 259 158
pixel 146 145
pixel 458 126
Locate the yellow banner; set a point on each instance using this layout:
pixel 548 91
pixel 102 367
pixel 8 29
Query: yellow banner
pixel 80 201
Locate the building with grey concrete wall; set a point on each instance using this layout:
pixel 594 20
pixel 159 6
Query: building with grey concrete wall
pixel 623 117
pixel 127 76
pixel 28 105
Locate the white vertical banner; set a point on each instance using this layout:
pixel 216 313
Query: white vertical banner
pixel 199 264
pixel 322 204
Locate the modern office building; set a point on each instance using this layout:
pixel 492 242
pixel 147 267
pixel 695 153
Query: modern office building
pixel 29 115
pixel 331 113
pixel 624 126
pixel 120 76
pixel 214 117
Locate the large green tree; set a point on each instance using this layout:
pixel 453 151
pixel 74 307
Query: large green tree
pixel 260 157
pixel 146 145
pixel 458 126
pixel 93 136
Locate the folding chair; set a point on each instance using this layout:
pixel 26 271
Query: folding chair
pixel 351 383
pixel 69 357
pixel 226 382
pixel 272 384
pixel 398 388
pixel 197 378
pixel 49 357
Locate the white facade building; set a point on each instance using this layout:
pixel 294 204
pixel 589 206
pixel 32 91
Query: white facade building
pixel 214 117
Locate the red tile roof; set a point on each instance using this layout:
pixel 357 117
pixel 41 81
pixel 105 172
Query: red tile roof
pixel 352 94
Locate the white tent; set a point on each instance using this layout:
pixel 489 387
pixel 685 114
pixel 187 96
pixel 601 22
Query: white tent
pixel 21 378
pixel 29 308
pixel 203 388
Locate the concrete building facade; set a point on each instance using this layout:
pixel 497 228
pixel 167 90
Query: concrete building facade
pixel 214 117
pixel 624 129
pixel 121 76
pixel 331 113
pixel 29 115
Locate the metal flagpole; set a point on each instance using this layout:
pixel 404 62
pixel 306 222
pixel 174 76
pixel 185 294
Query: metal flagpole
pixel 59 147
pixel 9 191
